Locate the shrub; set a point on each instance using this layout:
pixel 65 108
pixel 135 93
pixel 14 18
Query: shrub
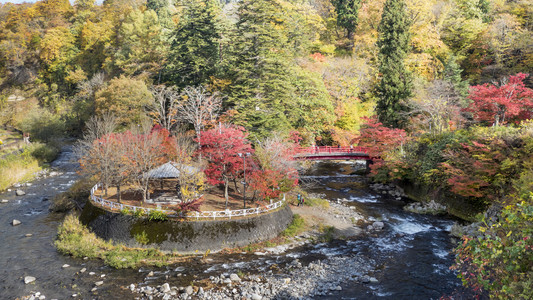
pixel 44 153
pixel 142 238
pixel 157 215
pixel 42 125
pixel 139 213
pixel 327 233
pixel 500 260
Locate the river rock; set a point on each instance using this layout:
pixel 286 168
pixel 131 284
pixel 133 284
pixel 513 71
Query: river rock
pixel 20 193
pixel 92 273
pixel 15 222
pixel 256 297
pixel 65 266
pixel 29 279
pixel 83 270
pixel 4 201
pixel 378 225
pixel 98 283
pixel 234 277
pixel 165 288
pixel 373 280
pixel 28 235
pixel 189 290
pixel 430 207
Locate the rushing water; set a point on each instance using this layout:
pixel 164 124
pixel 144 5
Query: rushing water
pixel 412 252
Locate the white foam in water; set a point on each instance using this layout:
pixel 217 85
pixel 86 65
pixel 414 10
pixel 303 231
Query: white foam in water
pixel 366 199
pixel 411 228
pixel 387 244
pixel 294 255
pixel 211 269
pixel 440 253
pixel 408 225
pixel 328 251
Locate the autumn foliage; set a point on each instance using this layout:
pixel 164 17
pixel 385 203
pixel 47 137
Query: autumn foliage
pixel 381 141
pixel 221 147
pixel 511 101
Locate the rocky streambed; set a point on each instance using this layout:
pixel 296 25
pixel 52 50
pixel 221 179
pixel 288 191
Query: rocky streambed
pixel 391 253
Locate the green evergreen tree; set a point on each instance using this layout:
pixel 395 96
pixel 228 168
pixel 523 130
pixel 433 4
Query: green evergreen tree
pixel 261 85
pixel 194 52
pixel 395 85
pixel 347 17
pixel 452 73
pixel 270 92
pixel 161 8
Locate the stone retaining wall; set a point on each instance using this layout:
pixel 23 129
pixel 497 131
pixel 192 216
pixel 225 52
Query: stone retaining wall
pixel 184 236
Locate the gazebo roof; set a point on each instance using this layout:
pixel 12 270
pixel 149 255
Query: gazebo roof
pixel 169 170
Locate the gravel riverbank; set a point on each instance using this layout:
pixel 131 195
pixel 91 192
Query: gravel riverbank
pixel 294 281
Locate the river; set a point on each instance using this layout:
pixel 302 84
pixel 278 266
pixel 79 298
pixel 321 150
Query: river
pixel 411 254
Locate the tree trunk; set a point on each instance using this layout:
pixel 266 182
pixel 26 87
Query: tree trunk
pixel 236 187
pixel 226 195
pixel 119 198
pixel 350 40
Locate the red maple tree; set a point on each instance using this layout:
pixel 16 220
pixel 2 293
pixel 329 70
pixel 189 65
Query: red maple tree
pixel 380 140
pixel 510 101
pixel 221 147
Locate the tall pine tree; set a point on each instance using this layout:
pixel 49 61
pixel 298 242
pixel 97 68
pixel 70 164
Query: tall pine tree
pixel 395 85
pixel 194 52
pixel 261 87
pixel 270 92
pixel 348 17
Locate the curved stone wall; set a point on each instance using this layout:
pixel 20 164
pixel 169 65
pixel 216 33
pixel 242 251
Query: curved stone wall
pixel 184 236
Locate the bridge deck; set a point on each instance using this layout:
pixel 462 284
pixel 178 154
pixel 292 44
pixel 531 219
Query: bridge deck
pixel 331 153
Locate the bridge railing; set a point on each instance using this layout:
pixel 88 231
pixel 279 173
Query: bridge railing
pixel 330 149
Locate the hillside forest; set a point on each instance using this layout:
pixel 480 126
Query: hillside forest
pixel 438 90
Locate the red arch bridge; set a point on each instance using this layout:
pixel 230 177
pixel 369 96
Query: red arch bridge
pixel 331 153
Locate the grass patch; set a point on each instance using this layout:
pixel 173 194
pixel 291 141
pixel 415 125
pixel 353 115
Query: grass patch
pixel 17 168
pixel 296 227
pixel 22 166
pixel 317 202
pixel 76 240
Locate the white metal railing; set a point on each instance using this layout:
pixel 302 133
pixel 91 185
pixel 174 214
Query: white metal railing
pixel 202 214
